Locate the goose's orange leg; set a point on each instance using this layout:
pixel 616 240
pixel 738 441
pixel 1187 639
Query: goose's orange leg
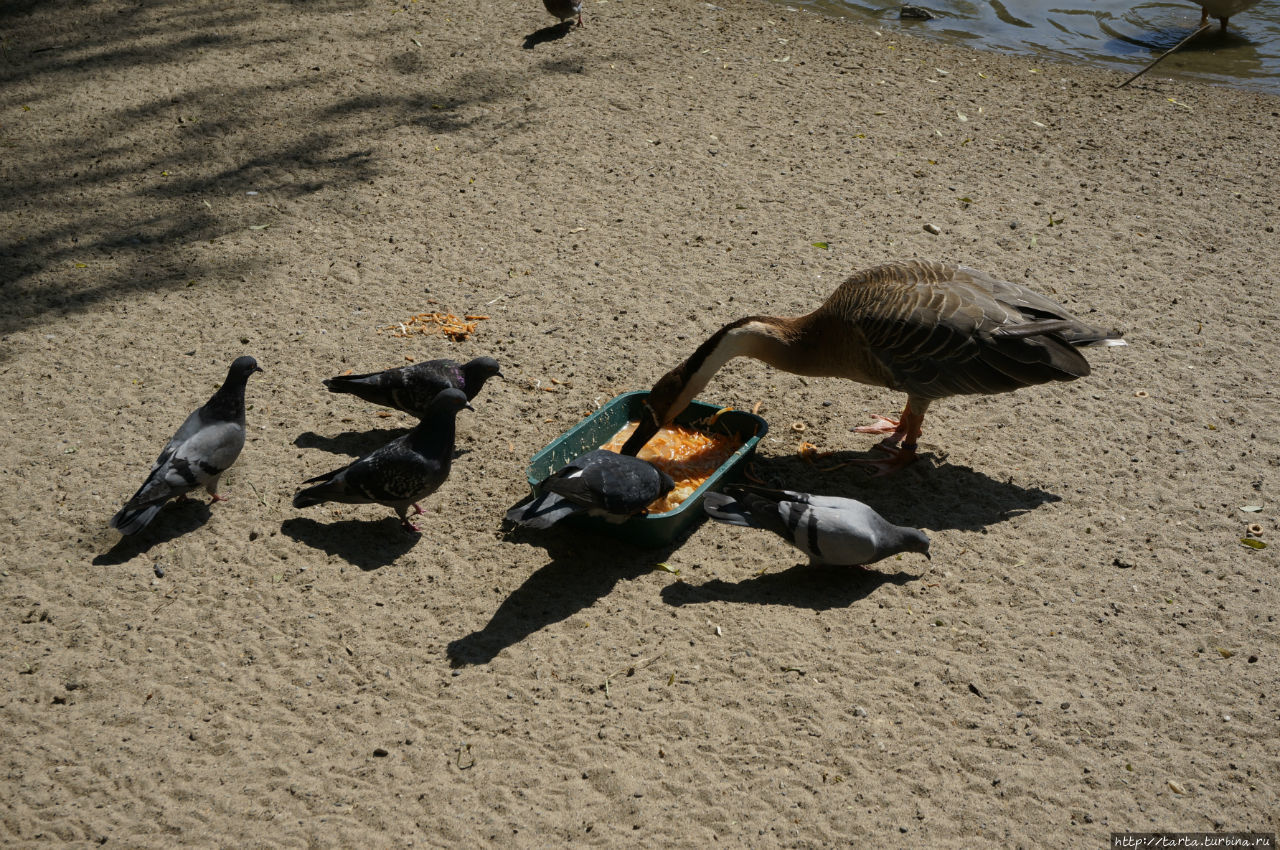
pixel 900 445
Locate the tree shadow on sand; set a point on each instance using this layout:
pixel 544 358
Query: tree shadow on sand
pixel 585 567
pixel 367 545
pixel 173 521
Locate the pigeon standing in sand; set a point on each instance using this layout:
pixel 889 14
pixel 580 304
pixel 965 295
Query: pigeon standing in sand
pixel 600 483
pixel 411 388
pixel 565 10
pixel 829 529
pixel 399 474
pixel 208 442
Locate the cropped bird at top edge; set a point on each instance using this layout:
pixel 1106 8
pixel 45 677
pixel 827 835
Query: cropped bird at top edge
pixel 1223 10
pixel 931 330
pixel 565 10
pixel 204 447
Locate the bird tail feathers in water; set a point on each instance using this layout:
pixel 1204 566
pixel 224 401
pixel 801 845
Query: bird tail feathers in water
pixel 133 518
pixel 726 509
pixel 543 512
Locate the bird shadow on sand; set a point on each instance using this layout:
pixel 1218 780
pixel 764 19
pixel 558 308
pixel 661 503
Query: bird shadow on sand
pixel 930 494
pixel 350 443
pixel 174 520
pixel 551 33
pixel 367 545
pixel 802 586
pixel 585 566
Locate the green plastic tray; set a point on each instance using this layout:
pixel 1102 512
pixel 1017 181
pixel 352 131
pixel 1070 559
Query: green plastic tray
pixel 598 428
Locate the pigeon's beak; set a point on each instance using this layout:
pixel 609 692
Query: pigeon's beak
pixel 469 407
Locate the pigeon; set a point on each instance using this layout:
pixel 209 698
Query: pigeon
pixel 399 474
pixel 206 445
pixel 411 388
pixel 829 529
pixel 565 10
pixel 599 483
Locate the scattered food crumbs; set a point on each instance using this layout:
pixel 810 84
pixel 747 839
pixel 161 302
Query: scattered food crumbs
pixel 457 329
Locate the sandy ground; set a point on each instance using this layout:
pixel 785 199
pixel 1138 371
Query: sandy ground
pixel 1090 650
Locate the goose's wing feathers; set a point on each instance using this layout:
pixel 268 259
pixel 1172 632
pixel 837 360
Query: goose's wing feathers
pixel 941 330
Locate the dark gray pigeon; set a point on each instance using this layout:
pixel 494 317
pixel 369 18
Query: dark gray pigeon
pixel 600 483
pixel 411 388
pixel 829 529
pixel 402 472
pixel 565 10
pixel 208 442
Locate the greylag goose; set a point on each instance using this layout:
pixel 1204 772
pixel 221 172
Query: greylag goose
pixel 931 330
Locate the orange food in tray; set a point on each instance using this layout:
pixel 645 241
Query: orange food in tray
pixel 688 455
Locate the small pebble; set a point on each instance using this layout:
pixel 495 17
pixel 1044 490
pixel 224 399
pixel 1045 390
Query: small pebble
pixel 932 228
pixel 379 752
pixel 159 570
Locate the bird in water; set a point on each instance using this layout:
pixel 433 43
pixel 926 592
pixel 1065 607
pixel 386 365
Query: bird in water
pixel 565 10
pixel 1223 10
pixel 204 447
pixel 931 330
pixel 829 529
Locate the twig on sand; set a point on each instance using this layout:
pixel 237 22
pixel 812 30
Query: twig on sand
pixel 1153 62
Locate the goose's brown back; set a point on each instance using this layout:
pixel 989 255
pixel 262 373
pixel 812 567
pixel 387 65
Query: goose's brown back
pixel 935 330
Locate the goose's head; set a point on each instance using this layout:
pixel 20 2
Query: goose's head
pixel 664 403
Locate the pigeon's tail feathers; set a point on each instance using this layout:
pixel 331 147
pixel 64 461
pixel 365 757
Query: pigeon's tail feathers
pixel 726 509
pixel 133 518
pixel 318 494
pixel 542 512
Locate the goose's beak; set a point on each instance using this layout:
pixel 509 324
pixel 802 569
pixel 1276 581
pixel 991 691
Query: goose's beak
pixel 644 432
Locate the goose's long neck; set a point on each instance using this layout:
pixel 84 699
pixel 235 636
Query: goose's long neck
pixel 771 339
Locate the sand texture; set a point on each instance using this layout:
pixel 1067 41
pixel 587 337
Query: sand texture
pixel 1091 648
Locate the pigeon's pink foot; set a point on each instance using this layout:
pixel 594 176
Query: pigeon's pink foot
pixel 408 525
pixel 214 497
pixel 417 509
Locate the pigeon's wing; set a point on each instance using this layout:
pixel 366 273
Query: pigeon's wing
pixel 542 512
pixel 609 483
pixel 197 454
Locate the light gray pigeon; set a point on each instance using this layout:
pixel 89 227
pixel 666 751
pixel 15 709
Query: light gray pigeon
pixel 565 10
pixel 600 483
pixel 411 388
pixel 829 529
pixel 208 442
pixel 402 472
